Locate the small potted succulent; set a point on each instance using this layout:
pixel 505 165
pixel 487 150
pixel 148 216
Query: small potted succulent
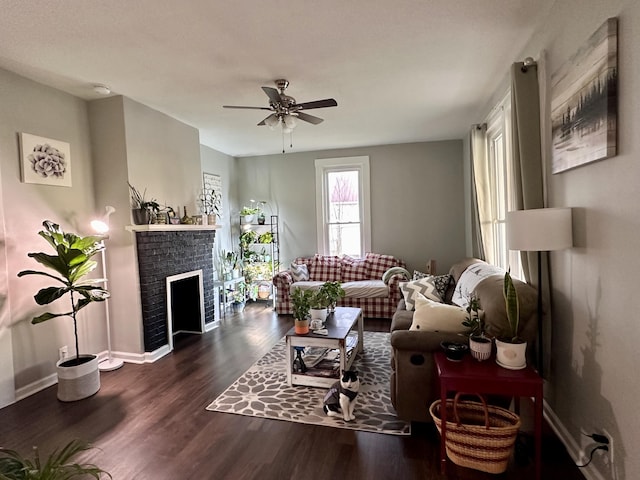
pixel 479 345
pixel 511 349
pixel 301 305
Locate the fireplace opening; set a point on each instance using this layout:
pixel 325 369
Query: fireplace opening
pixel 185 304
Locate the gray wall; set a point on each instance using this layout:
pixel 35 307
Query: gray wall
pixel 593 384
pixel 417 199
pixel 30 107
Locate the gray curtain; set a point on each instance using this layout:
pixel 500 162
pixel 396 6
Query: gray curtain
pixel 478 152
pixel 528 172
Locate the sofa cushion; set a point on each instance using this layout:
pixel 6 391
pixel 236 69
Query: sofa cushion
pixel 299 272
pixel 378 264
pixel 325 268
pixel 424 286
pixel 306 285
pixel 354 269
pixel 470 279
pixel 366 289
pixel 433 316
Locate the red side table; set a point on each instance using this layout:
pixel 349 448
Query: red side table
pixel 471 376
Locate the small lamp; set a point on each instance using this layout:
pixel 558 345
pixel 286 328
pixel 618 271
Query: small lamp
pixel 101 226
pixel 539 230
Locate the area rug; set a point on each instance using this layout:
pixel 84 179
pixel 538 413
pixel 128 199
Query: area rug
pixel 262 391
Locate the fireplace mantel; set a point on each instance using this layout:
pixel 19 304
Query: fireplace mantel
pixel 169 228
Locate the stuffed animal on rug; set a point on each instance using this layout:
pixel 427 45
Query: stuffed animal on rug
pixel 340 400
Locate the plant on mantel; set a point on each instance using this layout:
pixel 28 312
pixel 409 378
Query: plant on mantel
pixel 141 208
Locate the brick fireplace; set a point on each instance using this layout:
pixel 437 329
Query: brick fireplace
pixel 163 254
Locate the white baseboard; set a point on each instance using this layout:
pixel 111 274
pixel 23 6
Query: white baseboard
pixel 49 380
pixel 574 450
pixel 211 325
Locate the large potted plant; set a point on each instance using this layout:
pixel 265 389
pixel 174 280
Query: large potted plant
pixel 78 377
pixel 141 208
pixel 511 350
pixel 301 304
pixel 57 466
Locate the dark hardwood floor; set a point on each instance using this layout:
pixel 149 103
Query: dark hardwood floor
pixel 149 422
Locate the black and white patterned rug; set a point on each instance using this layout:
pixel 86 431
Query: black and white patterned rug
pixel 262 391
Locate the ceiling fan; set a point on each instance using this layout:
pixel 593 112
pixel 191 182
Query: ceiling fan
pixel 286 110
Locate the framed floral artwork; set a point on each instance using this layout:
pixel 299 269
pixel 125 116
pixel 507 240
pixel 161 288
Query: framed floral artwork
pixel 45 161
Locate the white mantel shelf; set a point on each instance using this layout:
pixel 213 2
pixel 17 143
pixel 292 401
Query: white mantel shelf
pixel 169 228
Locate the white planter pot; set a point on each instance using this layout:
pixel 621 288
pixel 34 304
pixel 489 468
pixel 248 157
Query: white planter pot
pixel 319 314
pixel 78 381
pixel 480 348
pixel 511 355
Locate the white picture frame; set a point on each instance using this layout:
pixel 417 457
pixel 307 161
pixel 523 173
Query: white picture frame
pixel 45 161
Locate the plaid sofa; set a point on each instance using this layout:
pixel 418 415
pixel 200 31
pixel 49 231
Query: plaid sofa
pixel 360 277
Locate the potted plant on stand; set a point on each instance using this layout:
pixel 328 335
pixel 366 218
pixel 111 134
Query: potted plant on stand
pixel 248 213
pixel 300 300
pixel 79 376
pixel 334 292
pixel 142 209
pixel 511 350
pixel 479 345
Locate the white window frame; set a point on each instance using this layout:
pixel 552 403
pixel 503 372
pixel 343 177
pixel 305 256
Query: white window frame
pixel 501 180
pixel 325 166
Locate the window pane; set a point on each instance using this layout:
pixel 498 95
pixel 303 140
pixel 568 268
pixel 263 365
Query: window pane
pixel 345 239
pixel 344 205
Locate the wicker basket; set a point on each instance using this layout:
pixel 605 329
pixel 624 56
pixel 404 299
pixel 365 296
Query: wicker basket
pixel 480 437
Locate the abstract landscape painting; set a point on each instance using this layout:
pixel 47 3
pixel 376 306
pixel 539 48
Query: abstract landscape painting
pixel 584 96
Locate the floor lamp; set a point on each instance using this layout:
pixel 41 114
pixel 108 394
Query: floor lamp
pixel 539 230
pixel 101 226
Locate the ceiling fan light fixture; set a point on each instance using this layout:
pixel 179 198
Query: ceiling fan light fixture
pixel 271 121
pixel 290 122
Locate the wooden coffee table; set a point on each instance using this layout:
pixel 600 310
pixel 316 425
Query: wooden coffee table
pixel 344 324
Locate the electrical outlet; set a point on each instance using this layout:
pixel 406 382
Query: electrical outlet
pixel 611 451
pixel 63 352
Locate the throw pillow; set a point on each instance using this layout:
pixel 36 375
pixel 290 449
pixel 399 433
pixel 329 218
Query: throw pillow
pixel 417 275
pixel 378 264
pixel 299 273
pixel 424 286
pixel 325 268
pixel 354 269
pixel 432 316
pixel 394 271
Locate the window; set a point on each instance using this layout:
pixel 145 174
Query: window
pixel 501 191
pixel 342 206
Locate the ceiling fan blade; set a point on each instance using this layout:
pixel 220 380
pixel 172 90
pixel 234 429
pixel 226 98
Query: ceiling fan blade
pixel 273 94
pixel 309 118
pixel 246 108
pixel 328 102
pixel 264 122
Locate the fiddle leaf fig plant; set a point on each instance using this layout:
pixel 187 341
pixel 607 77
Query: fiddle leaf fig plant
pixel 72 262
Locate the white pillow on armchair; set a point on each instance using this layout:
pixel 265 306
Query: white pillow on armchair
pixel 433 316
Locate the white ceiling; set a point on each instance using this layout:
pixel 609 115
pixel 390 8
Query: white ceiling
pixel 400 70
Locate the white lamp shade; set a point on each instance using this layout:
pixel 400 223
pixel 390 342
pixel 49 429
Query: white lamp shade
pixel 539 230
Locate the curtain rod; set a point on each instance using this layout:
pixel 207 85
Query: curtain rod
pixel 527 63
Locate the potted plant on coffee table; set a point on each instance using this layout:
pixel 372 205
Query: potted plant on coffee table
pixel 334 292
pixel 318 303
pixel 479 345
pixel 78 377
pixel 301 304
pixel 511 350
